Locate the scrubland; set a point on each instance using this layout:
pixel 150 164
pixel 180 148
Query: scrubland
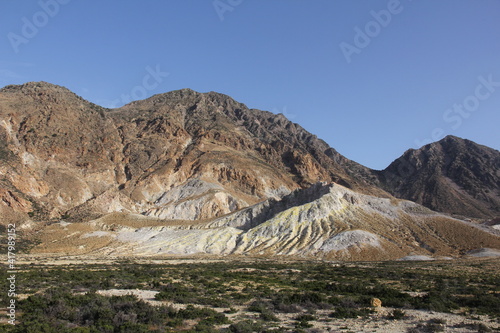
pixel 256 295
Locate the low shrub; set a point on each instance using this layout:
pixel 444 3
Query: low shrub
pixel 396 314
pixel 246 326
pixel 348 312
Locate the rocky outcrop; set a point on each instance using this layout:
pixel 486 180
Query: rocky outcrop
pixel 376 302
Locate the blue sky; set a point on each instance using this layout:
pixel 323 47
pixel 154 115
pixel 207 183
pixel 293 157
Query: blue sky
pixel 372 78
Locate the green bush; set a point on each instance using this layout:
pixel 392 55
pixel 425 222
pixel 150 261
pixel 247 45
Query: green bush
pixel 349 312
pixel 305 317
pixel 58 309
pixel 268 316
pixel 265 309
pixel 246 326
pixel 209 316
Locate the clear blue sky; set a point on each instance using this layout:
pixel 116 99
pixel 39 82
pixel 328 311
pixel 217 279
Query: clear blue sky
pixel 282 56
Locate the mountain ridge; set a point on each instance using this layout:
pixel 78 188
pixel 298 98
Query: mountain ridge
pixel 184 160
pixel 75 151
pixel 187 120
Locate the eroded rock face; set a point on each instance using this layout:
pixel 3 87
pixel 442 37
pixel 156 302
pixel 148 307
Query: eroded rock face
pixel 320 222
pixel 13 201
pixel 195 200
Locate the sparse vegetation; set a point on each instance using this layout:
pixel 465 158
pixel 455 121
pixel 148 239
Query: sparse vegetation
pixel 257 296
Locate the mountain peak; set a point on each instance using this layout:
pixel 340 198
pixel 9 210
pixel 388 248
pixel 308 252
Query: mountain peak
pixel 452 139
pixel 44 92
pixel 34 86
pixel 453 175
pixel 182 92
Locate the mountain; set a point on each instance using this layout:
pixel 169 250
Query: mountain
pixel 186 172
pixel 454 176
pixel 179 155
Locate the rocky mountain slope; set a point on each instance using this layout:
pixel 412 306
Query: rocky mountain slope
pixel 453 175
pixel 187 172
pixel 325 221
pixel 179 155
